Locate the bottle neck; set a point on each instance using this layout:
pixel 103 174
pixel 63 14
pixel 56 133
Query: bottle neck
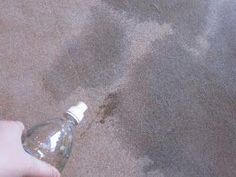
pixel 70 121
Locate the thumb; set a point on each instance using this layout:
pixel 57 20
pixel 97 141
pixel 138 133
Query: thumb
pixel 37 168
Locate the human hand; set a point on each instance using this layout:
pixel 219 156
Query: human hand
pixel 14 161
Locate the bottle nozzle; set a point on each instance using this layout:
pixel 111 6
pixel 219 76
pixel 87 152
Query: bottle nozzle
pixel 77 112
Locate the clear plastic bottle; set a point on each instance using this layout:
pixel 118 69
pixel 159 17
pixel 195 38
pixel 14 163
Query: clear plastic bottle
pixel 51 141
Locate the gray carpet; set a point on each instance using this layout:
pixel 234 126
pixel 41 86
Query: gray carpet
pixel 159 77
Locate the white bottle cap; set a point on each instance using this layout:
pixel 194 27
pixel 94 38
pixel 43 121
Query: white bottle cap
pixel 77 112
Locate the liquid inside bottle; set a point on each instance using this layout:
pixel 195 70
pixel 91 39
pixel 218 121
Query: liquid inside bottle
pixel 52 140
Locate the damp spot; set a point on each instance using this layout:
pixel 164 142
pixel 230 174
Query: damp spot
pixel 108 107
pixel 140 9
pixel 187 18
pixel 94 59
pixel 172 111
pixel 164 11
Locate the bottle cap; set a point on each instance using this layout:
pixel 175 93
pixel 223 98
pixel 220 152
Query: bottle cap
pixel 77 112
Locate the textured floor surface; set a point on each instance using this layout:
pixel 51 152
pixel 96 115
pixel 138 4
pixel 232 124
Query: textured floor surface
pixel 159 77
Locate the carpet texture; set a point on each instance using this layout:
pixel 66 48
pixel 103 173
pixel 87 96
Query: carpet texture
pixel 159 77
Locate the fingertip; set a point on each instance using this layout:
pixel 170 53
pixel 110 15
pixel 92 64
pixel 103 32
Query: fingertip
pixel 39 168
pixel 15 125
pixel 53 172
pixel 20 125
pixel 56 172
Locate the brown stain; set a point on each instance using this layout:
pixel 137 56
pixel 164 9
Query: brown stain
pixel 109 106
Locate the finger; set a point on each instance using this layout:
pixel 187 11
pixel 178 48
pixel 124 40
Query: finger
pixel 37 168
pixel 11 129
pixel 19 126
pixel 15 125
